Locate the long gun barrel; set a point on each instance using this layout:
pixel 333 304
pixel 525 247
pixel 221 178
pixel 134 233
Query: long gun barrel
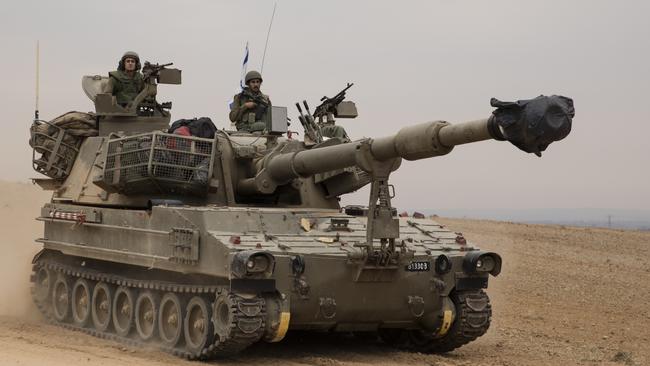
pixel 531 125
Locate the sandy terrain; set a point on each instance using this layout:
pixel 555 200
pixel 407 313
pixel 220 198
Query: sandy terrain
pixel 567 296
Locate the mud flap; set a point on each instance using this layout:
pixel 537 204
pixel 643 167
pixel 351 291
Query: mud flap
pixel 285 317
pixel 278 318
pixel 447 319
pixel 38 255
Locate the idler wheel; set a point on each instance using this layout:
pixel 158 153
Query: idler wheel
pixel 43 281
pixel 81 302
pixel 123 311
pixel 146 315
pixel 170 320
pixel 197 326
pixel 61 299
pixel 101 309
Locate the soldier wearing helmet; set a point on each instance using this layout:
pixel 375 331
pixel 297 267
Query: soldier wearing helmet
pixel 250 107
pixel 126 82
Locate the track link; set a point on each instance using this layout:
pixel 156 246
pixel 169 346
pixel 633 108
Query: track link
pixel 242 321
pixel 234 342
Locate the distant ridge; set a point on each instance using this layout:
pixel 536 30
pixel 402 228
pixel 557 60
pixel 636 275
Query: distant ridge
pixel 592 217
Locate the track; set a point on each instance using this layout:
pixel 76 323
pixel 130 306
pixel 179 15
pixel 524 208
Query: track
pixel 474 313
pixel 55 285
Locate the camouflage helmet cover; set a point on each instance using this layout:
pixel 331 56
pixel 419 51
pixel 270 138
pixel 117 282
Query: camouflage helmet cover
pixel 252 75
pixel 129 54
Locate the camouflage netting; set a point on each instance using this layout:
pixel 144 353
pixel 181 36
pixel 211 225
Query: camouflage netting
pixel 58 142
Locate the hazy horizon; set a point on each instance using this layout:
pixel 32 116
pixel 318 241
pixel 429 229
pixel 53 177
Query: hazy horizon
pixel 598 217
pixel 411 62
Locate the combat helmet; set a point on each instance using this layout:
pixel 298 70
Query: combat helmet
pixel 252 75
pixel 129 54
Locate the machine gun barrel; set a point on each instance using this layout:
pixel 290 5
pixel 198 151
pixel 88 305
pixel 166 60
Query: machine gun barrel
pixel 328 105
pixel 530 125
pixel 148 65
pixel 150 69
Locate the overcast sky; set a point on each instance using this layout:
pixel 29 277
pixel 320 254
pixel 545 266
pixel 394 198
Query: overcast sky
pixel 411 62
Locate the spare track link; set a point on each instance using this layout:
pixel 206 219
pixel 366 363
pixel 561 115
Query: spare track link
pixel 234 343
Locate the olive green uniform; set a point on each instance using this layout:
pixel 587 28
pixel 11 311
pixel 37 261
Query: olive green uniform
pixel 124 87
pixel 254 119
pixel 332 130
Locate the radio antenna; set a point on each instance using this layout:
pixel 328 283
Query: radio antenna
pixel 268 33
pixel 37 80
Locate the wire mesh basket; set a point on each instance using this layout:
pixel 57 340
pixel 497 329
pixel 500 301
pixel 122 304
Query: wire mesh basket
pixel 53 149
pixel 159 162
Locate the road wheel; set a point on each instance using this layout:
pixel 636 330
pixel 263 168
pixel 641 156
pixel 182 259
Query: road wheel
pixel 81 295
pixel 123 311
pixel 101 306
pixel 197 325
pixel 43 283
pixel 61 299
pixel 170 319
pixel 146 315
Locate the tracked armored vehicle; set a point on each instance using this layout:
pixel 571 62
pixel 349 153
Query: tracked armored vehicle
pixel 205 246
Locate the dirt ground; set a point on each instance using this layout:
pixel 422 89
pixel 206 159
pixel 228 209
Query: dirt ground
pixel 566 296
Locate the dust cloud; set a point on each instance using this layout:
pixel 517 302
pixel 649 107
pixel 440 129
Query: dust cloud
pixel 19 206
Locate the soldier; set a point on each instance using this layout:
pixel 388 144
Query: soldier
pixel 250 107
pixel 332 130
pixel 127 82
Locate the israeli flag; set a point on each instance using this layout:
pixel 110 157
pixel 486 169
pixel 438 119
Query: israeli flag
pixel 244 66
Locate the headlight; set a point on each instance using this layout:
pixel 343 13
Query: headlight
pixel 442 264
pixel 257 263
pixel 482 262
pixel 485 264
pixel 253 264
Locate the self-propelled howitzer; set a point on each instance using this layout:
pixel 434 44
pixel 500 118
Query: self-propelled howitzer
pixel 204 246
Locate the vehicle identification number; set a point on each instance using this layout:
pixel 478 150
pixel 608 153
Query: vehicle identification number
pixel 418 266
